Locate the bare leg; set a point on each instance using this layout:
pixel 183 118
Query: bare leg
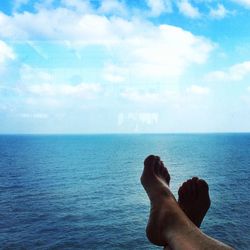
pixel 167 223
pixel 194 199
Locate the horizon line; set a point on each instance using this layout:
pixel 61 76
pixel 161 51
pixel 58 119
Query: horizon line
pixel 129 133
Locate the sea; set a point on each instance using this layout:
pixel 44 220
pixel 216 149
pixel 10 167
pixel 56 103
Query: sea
pixel 84 191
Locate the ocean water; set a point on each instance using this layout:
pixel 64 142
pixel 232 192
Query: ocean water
pixel 83 192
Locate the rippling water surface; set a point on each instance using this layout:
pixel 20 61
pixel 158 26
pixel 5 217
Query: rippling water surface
pixel 83 192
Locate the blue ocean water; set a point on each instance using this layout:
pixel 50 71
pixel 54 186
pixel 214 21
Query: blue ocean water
pixel 83 192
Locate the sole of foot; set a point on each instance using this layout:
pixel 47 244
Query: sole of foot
pixel 194 199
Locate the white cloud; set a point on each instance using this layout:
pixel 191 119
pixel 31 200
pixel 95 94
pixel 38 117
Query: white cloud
pixel 186 8
pixel 236 72
pixel 112 7
pixel 142 97
pixel 218 13
pixel 160 97
pixel 44 4
pixel 6 53
pixel 132 43
pixel 18 3
pixel 38 82
pixel 151 98
pixel 30 75
pixel 145 118
pixel 198 90
pixel 115 74
pixel 173 51
pixel 78 6
pixel 157 7
pixel 57 90
pixel 34 115
pixel 245 3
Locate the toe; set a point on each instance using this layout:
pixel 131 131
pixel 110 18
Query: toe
pixel 164 173
pixel 202 188
pixel 158 166
pixel 161 168
pixel 149 169
pixel 194 187
pixel 149 164
pixel 203 193
pixel 195 178
pixel 202 185
pixel 189 186
pixel 149 160
pixel 183 192
pixel 157 169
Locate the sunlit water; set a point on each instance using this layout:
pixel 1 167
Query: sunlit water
pixel 83 192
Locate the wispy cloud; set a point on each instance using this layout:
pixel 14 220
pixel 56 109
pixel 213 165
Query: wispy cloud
pixel 113 7
pixel 143 97
pixel 81 90
pixel 137 120
pixel 158 7
pixel 198 90
pixel 6 53
pixel 236 72
pixel 78 5
pixel 34 115
pixel 187 9
pixel 219 12
pixel 115 74
pixel 19 3
pixel 245 3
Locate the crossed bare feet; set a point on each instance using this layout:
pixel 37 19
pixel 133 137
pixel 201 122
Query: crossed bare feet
pixel 193 194
pixel 175 224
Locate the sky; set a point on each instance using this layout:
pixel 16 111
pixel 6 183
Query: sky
pixel 120 66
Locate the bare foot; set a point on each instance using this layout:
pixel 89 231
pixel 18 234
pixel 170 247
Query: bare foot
pixel 194 199
pixel 165 214
pixel 168 224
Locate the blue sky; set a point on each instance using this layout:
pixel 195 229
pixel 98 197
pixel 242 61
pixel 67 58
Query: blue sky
pixel 148 66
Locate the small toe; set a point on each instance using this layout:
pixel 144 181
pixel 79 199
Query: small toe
pixel 194 187
pixel 161 169
pixel 185 186
pixel 202 188
pixel 157 167
pixel 189 186
pixel 183 192
pixel 165 174
pixel 202 184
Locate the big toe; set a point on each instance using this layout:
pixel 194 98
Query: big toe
pixel 183 192
pixel 149 167
pixel 202 187
pixel 203 191
pixel 150 163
